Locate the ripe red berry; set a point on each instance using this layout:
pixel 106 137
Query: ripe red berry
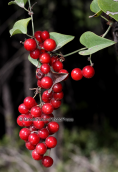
pixel 39 74
pixel 29 146
pixel 46 118
pixel 30 44
pixel 76 74
pixel 46 82
pixel 55 103
pixel 36 156
pixel 41 148
pixel 43 133
pixel 51 142
pixel 57 66
pixel 34 139
pixel 38 123
pixel 23 109
pixel 57 88
pixel 36 111
pixel 37 35
pixel 46 97
pixel 20 120
pixel 39 83
pixel 29 102
pixel 53 127
pixel 63 71
pixel 27 120
pixel 88 71
pixel 32 128
pixel 53 59
pixel 47 108
pixel 45 35
pixel 42 46
pixel 24 133
pixel 49 44
pixel 42 50
pixel 44 58
pixel 45 68
pixel 58 96
pixel 35 54
pixel 47 161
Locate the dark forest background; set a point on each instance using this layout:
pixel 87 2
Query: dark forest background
pixel 90 143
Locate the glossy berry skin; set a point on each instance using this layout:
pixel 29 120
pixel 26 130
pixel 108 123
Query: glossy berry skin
pixel 27 120
pixel 20 120
pixel 47 108
pixel 38 123
pixel 34 139
pixel 88 71
pixel 51 142
pixel 46 97
pixel 63 71
pixel 49 44
pixel 36 156
pixel 35 54
pixel 29 146
pixel 76 74
pixel 41 148
pixel 39 74
pixel 30 44
pixel 32 128
pixel 37 35
pixel 57 66
pixel 23 109
pixel 43 133
pixel 55 103
pixel 36 111
pixel 58 96
pixel 46 118
pixel 53 127
pixel 57 88
pixel 45 35
pixel 44 58
pixel 46 82
pixel 24 133
pixel 29 102
pixel 53 59
pixel 45 68
pixel 47 161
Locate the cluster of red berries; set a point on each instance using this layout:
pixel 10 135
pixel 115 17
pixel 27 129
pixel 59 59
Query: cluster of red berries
pixel 87 72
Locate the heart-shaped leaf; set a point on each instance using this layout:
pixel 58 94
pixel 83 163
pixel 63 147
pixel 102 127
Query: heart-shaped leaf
pixel 110 7
pixel 60 39
pixel 20 3
pixel 35 62
pixel 94 43
pixel 20 27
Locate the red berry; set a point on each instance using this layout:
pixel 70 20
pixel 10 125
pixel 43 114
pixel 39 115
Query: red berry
pixel 49 44
pixel 30 44
pixel 41 148
pixel 57 88
pixel 57 66
pixel 29 146
pixel 24 133
pixel 51 142
pixel 39 83
pixel 88 71
pixel 36 156
pixel 55 103
pixel 23 109
pixel 29 102
pixel 27 120
pixel 53 127
pixel 58 96
pixel 45 35
pixel 32 128
pixel 47 108
pixel 36 111
pixel 47 161
pixel 38 123
pixel 42 50
pixel 76 74
pixel 45 68
pixel 37 35
pixel 39 74
pixel 44 58
pixel 20 120
pixel 46 118
pixel 35 54
pixel 42 46
pixel 63 71
pixel 46 97
pixel 34 139
pixel 43 133
pixel 46 82
pixel 53 59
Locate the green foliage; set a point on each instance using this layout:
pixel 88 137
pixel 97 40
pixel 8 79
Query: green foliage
pixel 35 62
pixel 94 43
pixel 94 6
pixel 20 3
pixel 20 27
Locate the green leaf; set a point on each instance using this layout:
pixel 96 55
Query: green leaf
pixel 96 14
pixel 60 39
pixel 94 6
pixel 110 7
pixel 20 3
pixel 20 27
pixel 35 62
pixel 94 43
